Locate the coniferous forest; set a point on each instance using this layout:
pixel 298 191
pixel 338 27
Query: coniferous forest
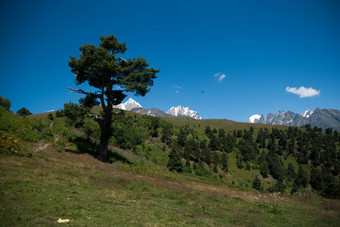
pixel 297 158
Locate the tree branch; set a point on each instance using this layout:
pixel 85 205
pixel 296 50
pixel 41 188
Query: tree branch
pixel 122 59
pixel 77 91
pixel 96 118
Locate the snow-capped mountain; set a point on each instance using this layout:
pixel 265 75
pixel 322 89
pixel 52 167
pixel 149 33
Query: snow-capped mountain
pixel 254 118
pixel 324 118
pixel 129 105
pixel 174 112
pixel 183 111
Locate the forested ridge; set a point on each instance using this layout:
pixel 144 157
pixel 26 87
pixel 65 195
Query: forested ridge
pixel 298 158
pixel 286 159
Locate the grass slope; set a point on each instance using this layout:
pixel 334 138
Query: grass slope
pixel 37 191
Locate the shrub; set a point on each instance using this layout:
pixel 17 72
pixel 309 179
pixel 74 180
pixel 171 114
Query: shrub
pixel 24 112
pixel 9 144
pixel 5 103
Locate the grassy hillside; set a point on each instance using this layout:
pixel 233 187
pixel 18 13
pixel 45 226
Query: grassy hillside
pixel 49 171
pixel 227 125
pixel 37 191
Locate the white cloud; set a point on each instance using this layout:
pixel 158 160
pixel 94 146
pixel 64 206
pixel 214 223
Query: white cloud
pixel 219 76
pixel 303 92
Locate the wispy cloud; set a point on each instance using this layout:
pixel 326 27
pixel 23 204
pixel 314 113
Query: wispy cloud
pixel 177 88
pixel 303 92
pixel 220 76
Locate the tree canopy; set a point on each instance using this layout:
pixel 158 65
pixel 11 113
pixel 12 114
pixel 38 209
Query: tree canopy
pixel 24 112
pixel 103 68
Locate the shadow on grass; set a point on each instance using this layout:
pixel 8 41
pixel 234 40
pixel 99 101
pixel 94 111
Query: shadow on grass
pixel 88 146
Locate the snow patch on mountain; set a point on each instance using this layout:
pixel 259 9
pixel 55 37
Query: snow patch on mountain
pixel 183 111
pixel 129 105
pixel 254 118
pixel 307 113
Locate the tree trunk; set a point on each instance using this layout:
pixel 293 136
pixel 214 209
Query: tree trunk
pixel 106 134
pixel 104 143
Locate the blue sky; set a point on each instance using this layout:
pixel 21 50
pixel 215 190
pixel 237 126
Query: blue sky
pixel 244 55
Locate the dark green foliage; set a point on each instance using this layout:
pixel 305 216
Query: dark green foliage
pixel 257 185
pixel 215 161
pixel 175 162
pixel 329 131
pixel 272 146
pixel 112 76
pixel 89 101
pixel 247 166
pixel 291 147
pixel 208 132
pixel 166 135
pixel 50 116
pixel 191 150
pixel 301 179
pixel 239 133
pixel 261 138
pixel 23 112
pixel 205 152
pixel 187 167
pixel 248 150
pixel 278 187
pixel 5 103
pixel 215 168
pixel 75 113
pixel 214 143
pixel 331 184
pixel 275 166
pixel 224 162
pixel 316 180
pixel 182 137
pixel 248 135
pixel 59 113
pixel 201 171
pixel 227 143
pixel 263 163
pixel 154 126
pixel 290 172
pixel 221 133
pixel 239 164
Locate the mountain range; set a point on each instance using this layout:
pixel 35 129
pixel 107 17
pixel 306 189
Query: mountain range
pixel 323 118
pixel 173 112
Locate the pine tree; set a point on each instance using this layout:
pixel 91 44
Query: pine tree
pixel 224 162
pixel 206 153
pixel 175 162
pixel 301 179
pixel 221 133
pixel 111 76
pixel 257 185
pixel 166 135
pixel 187 167
pixel 214 143
pixel 182 137
pixel 316 180
pixel 290 172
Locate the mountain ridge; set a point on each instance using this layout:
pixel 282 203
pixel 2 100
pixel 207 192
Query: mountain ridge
pixel 323 118
pixel 174 112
